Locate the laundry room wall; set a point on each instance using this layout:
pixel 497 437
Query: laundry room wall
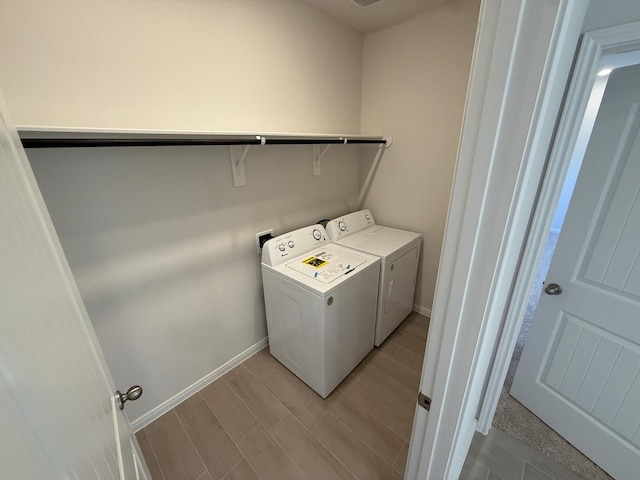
pixel 180 65
pixel 415 77
pixel 159 240
pixel 162 247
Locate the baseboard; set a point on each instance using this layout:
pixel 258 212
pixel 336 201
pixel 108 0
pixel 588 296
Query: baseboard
pixel 422 310
pixel 144 420
pixel 141 422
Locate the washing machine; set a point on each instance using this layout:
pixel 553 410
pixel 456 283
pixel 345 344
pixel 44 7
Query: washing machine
pixel 321 302
pixel 398 251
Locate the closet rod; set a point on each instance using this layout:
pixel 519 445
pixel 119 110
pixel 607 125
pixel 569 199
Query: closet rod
pixel 304 141
pixel 361 141
pixel 132 142
pixel 162 142
pixel 324 141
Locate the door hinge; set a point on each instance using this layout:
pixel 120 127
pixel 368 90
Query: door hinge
pixel 424 401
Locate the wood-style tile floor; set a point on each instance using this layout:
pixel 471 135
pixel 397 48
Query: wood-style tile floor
pixel 499 456
pixel 260 422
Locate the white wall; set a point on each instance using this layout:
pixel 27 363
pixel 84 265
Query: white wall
pixel 415 77
pixel 159 240
pixel 162 247
pixel 276 65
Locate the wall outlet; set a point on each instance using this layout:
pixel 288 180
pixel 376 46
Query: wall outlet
pixel 262 237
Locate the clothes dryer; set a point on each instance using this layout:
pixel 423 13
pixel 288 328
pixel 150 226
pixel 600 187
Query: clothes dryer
pixel 399 251
pixel 321 301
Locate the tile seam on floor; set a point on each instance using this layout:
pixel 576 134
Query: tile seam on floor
pixel 191 440
pixel 381 424
pixel 396 458
pixel 281 447
pixel 244 456
pixel 221 424
pixel 403 347
pixel 249 408
pixel 331 453
pixel 289 412
pixel 155 457
pixel 234 466
pixel 398 454
pixel 317 422
pixel 362 440
pixel 175 412
pixel 308 395
pixel 384 399
pixel 306 392
pixel 398 405
pixel 207 472
pixel 312 436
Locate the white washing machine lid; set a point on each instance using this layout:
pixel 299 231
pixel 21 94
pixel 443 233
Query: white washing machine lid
pixel 325 268
pixel 379 240
pixel 327 265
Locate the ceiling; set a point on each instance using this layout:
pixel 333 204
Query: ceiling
pixel 375 16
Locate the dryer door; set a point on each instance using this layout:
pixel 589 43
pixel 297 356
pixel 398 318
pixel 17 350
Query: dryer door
pixel 399 289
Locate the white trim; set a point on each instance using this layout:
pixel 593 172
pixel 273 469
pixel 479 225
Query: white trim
pixel 142 471
pixel 155 413
pixel 422 310
pixel 509 121
pixel 595 47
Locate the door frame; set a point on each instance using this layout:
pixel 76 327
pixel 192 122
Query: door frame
pixel 608 47
pixel 521 63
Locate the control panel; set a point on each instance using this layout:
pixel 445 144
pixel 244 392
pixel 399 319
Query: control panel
pixel 280 249
pixel 328 264
pixel 355 222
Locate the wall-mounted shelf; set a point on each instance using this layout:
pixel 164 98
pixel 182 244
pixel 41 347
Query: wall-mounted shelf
pixel 238 143
pixel 88 138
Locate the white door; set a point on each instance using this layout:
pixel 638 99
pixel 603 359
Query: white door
pixel 58 416
pixel 580 369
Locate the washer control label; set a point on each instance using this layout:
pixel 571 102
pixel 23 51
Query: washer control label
pixel 315 262
pixel 327 266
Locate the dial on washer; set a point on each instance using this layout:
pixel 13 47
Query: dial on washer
pixel 342 226
pixel 316 234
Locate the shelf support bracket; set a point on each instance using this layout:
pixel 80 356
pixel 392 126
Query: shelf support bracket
pixel 237 154
pixel 372 171
pixel 318 153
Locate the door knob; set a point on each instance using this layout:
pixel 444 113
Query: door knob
pixel 132 394
pixel 553 289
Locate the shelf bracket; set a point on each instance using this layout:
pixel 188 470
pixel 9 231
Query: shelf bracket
pixel 318 153
pixel 237 154
pixel 372 171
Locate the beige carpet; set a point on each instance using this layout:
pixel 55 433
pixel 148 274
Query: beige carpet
pixel 515 419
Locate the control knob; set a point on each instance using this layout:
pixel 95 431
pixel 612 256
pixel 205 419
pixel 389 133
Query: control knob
pixel 342 226
pixel 291 244
pixel 281 247
pixel 316 234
